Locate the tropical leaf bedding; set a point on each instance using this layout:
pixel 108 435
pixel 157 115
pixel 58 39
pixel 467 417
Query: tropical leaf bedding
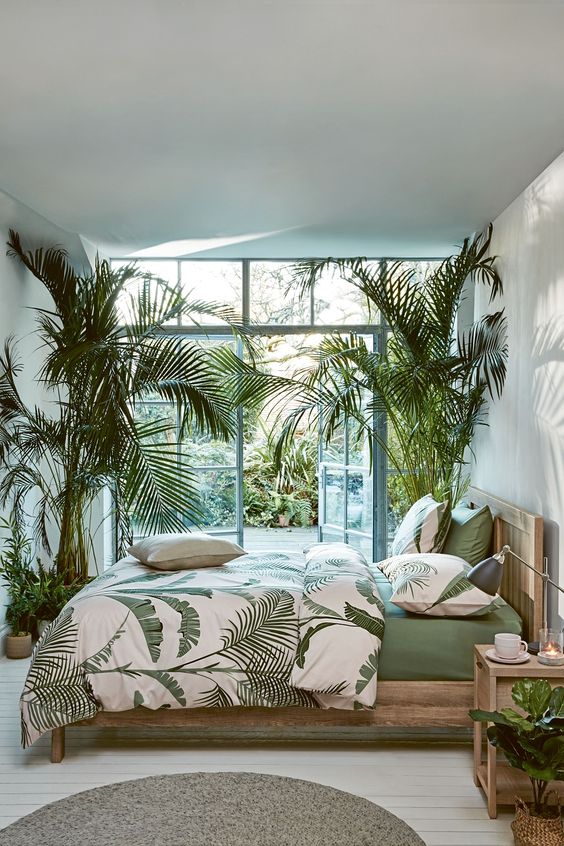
pixel 436 585
pixel 268 629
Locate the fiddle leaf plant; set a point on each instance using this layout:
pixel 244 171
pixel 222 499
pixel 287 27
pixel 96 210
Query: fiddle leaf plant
pixel 532 741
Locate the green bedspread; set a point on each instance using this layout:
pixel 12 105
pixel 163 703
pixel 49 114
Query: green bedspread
pixel 419 648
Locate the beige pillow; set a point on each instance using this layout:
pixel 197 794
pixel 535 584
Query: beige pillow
pixel 185 551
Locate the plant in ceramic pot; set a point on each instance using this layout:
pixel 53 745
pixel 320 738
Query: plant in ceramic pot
pixel 532 741
pixel 291 508
pixel 17 572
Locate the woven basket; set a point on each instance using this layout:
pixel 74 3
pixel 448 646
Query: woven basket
pixel 529 830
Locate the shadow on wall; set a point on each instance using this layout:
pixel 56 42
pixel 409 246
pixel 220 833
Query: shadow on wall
pixel 547 358
pixel 551 540
pixel 538 210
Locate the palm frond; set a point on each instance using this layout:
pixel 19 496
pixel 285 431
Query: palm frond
pixel 158 485
pixel 189 630
pixel 215 697
pixel 374 625
pixel 268 624
pixel 430 390
pixel 50 266
pixel 144 612
pixel 305 641
pixel 484 351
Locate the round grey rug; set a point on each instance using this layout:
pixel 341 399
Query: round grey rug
pixel 211 809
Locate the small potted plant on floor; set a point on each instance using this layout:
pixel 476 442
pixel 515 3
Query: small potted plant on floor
pixel 533 741
pixel 290 508
pixel 17 571
pixel 18 617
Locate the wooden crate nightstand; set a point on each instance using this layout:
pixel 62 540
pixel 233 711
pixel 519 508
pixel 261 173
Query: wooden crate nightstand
pixel 492 691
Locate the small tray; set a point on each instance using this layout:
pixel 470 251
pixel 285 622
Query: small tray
pixel 493 656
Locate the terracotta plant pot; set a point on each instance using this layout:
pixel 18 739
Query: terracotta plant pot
pixel 18 646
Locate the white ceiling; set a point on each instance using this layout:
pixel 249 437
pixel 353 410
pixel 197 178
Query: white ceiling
pixel 282 128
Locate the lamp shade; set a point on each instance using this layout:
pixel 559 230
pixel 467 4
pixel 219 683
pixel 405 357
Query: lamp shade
pixel 487 574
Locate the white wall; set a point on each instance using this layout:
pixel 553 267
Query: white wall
pixel 20 291
pixel 520 457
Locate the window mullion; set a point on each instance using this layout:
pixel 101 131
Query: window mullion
pixel 246 291
pixel 179 284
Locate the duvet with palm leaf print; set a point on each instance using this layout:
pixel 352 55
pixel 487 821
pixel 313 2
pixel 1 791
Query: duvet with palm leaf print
pixel 268 629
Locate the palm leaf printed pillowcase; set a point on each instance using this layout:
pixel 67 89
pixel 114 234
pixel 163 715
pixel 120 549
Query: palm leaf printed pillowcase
pixel 436 585
pixel 424 528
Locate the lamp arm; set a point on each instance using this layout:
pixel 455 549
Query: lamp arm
pixel 544 576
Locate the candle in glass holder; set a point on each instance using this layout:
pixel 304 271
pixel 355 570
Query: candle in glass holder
pixel 551 647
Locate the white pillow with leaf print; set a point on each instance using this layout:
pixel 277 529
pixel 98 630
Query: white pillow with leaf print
pixel 424 528
pixel 436 585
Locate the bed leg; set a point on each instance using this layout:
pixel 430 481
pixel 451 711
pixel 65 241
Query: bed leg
pixel 57 745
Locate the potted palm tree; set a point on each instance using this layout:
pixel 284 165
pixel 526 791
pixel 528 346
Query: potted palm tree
pixel 430 380
pixel 108 344
pixel 533 741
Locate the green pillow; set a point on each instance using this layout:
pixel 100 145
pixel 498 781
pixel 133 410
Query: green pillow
pixel 470 534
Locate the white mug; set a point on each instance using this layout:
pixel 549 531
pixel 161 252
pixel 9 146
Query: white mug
pixel 509 646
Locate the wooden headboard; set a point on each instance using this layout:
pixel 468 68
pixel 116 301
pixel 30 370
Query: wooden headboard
pixel 523 531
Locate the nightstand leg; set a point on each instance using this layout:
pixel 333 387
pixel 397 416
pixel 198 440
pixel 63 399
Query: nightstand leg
pixel 492 781
pixel 477 751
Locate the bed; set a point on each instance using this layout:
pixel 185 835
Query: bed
pixel 420 683
pixel 410 650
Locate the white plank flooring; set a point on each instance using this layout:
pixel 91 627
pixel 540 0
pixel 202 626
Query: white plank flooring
pixel 429 785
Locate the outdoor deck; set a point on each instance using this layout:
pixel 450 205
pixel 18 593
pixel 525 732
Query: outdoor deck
pixel 288 540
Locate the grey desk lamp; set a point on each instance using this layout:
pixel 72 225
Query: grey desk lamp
pixel 487 576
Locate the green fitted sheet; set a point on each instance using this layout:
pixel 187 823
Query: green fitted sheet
pixel 420 648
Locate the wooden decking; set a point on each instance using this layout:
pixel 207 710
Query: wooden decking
pixel 287 540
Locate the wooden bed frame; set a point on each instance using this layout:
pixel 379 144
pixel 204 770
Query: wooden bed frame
pixel 400 703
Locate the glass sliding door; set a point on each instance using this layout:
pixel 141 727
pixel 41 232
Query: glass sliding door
pixel 352 496
pixel 346 495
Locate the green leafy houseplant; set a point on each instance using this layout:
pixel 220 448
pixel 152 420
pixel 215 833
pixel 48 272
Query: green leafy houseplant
pixel 51 592
pixel 16 571
pixel 35 592
pixel 432 380
pixel 291 508
pixel 533 741
pixel 106 347
pixel 290 489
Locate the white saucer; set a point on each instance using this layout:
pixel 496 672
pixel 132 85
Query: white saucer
pixel 493 656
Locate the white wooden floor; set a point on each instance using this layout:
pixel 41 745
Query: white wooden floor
pixel 428 785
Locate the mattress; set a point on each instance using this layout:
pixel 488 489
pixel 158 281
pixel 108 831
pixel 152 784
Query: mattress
pixel 419 648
